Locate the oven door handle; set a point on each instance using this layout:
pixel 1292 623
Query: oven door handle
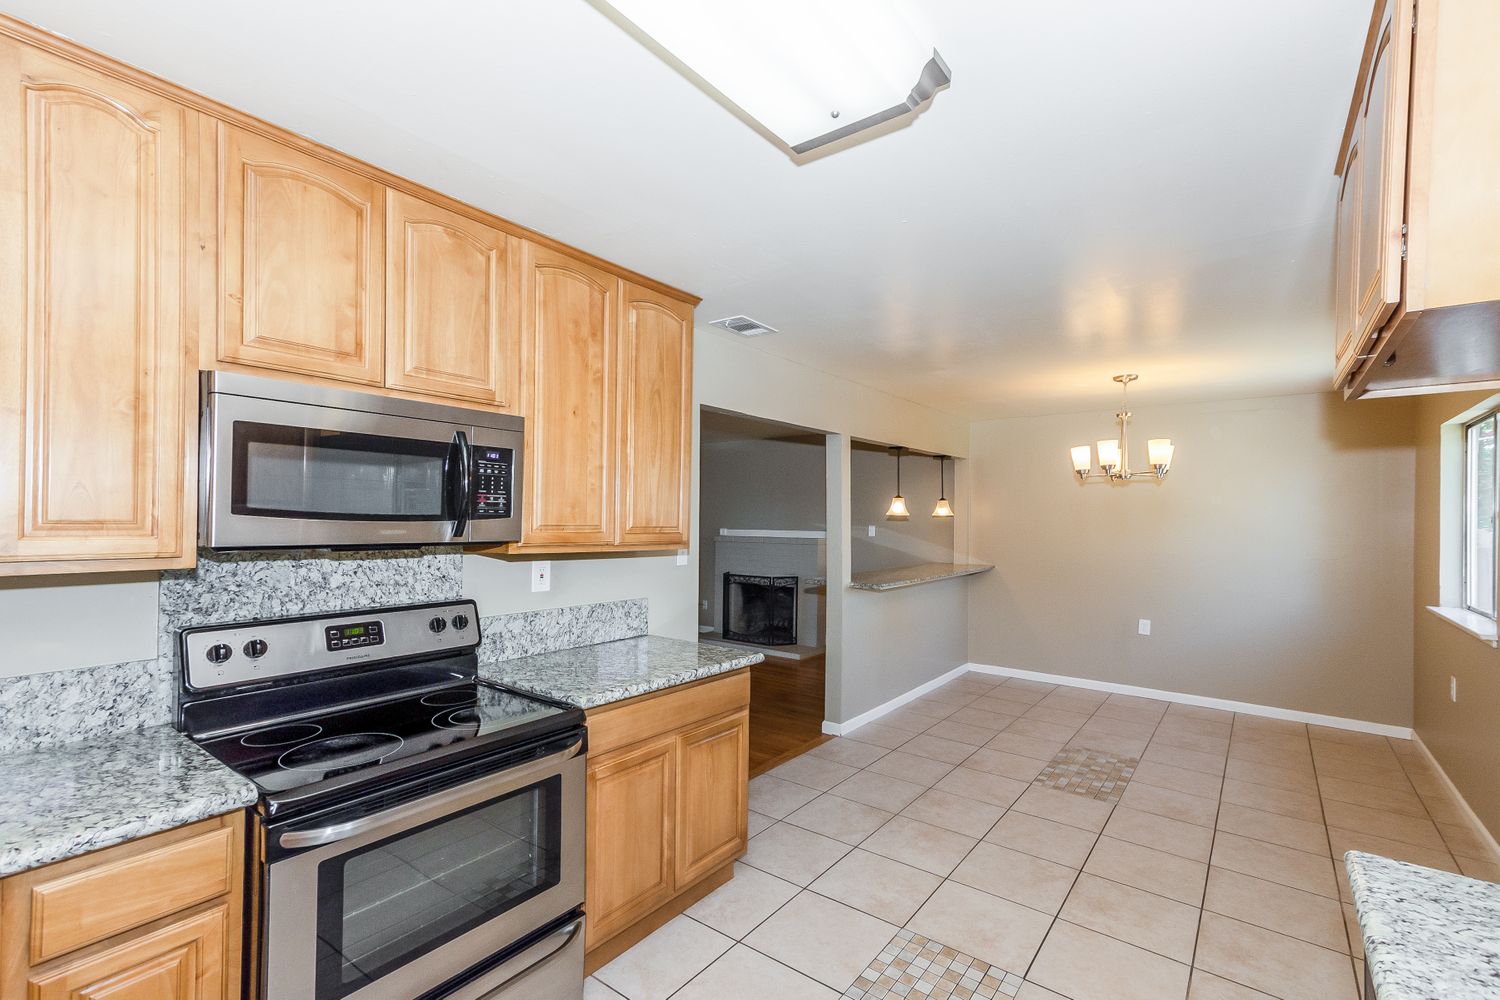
pixel 488 986
pixel 335 832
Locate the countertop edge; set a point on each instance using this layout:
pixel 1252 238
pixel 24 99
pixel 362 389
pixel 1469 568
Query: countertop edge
pixel 918 578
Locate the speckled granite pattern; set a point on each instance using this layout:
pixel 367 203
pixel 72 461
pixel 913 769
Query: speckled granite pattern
pixel 526 633
pixel 910 576
pixel 591 676
pixel 239 586
pixel 63 705
pixel 60 802
pixel 1428 934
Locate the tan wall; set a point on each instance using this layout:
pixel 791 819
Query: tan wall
pixel 922 538
pixel 1461 735
pixel 1275 561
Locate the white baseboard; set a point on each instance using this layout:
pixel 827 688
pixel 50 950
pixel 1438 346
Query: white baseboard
pixel 1475 822
pixel 842 728
pixel 1269 711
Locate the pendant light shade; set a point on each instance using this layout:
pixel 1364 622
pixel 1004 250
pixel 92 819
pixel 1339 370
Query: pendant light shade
pixel 897 511
pixel 943 508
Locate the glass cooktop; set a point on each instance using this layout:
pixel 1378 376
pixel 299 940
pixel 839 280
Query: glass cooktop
pixel 361 740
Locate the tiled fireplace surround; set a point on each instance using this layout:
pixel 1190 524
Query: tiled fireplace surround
pixel 67 704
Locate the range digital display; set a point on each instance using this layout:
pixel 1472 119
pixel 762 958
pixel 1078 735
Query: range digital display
pixel 356 634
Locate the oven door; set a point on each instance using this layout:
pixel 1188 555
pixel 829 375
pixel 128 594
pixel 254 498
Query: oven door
pixel 278 473
pixel 391 903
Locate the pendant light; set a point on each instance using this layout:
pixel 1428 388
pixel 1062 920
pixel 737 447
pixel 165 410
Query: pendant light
pixel 943 508
pixel 898 511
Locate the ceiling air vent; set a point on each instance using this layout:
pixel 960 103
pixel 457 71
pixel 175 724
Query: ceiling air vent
pixel 744 326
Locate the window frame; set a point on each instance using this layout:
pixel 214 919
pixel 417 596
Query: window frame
pixel 1469 522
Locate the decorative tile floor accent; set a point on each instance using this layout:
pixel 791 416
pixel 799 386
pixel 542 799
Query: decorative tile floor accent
pixel 1091 773
pixel 913 966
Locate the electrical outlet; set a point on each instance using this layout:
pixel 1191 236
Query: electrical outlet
pixel 1143 626
pixel 682 557
pixel 1453 689
pixel 702 605
pixel 541 576
pixel 872 531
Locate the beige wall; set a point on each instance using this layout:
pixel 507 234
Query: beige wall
pixel 1275 561
pixel 1461 735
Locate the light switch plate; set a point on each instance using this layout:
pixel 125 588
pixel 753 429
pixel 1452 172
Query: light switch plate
pixel 872 531
pixel 541 576
pixel 682 557
pixel 1143 626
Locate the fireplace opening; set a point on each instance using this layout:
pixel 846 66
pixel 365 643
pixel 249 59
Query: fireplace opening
pixel 760 609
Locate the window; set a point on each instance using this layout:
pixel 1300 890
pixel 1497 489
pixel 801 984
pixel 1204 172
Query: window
pixel 1480 489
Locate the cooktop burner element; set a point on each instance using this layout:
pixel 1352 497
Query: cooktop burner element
pixel 279 736
pixel 458 718
pixel 338 753
pixel 446 699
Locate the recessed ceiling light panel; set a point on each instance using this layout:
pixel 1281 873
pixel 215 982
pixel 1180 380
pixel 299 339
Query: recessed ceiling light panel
pixel 810 71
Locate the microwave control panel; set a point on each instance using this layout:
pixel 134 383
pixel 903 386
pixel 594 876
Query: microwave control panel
pixel 492 481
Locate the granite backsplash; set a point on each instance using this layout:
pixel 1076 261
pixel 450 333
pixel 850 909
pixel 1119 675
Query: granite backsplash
pixel 63 705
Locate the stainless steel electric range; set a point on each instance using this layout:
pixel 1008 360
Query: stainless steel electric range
pixel 419 832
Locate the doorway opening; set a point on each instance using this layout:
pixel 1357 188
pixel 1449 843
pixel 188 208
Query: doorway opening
pixel 762 570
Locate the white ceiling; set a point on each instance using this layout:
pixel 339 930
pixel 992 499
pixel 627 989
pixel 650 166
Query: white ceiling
pixel 1105 186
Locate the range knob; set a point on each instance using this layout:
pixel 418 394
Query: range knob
pixel 219 652
pixel 460 622
pixel 438 624
pixel 255 648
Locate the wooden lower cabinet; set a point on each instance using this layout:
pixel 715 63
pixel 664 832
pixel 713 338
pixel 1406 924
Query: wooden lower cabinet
pixel 160 918
pixel 667 802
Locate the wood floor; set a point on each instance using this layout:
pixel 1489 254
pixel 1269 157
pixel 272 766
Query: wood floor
pixel 786 710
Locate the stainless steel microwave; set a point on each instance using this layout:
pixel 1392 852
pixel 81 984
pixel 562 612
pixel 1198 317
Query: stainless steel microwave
pixel 288 465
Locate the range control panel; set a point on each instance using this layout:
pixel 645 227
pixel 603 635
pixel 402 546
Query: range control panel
pixel 217 656
pixel 492 481
pixel 369 633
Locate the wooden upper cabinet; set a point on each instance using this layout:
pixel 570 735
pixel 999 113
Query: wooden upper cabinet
pixel 302 261
pixel 96 464
pixel 569 317
pixel 656 431
pixel 451 313
pixel 1381 165
pixel 1345 313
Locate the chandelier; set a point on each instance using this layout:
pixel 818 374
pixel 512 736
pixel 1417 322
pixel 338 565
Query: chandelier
pixel 1114 454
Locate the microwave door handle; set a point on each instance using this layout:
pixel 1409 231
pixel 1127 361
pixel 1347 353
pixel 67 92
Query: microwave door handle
pixel 462 493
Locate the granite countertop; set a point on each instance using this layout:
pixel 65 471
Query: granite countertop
pixel 71 798
pixel 590 676
pixel 910 576
pixel 1427 933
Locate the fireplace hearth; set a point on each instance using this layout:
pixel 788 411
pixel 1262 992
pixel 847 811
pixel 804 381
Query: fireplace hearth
pixel 760 609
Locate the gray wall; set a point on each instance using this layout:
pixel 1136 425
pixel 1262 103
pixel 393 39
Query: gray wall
pixel 1275 562
pixel 921 539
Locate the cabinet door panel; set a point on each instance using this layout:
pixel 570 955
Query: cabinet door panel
pixel 1382 139
pixel 92 353
pixel 182 961
pixel 630 836
pixel 569 334
pixel 1346 345
pixel 450 315
pixel 302 260
pixel 712 803
pixel 656 395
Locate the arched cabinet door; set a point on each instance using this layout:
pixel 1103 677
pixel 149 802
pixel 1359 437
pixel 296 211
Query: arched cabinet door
pixel 656 410
pixel 569 317
pixel 451 316
pixel 301 262
pixel 95 377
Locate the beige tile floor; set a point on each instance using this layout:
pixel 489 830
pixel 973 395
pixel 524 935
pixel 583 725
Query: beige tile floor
pixel 1216 875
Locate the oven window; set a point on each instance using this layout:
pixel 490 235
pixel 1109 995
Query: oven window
pixel 397 899
pixel 305 472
